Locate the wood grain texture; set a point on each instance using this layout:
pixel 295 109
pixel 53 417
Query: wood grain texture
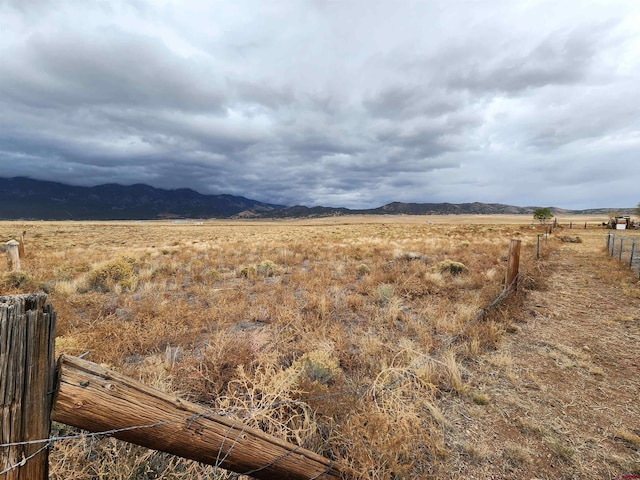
pixel 27 371
pixel 97 399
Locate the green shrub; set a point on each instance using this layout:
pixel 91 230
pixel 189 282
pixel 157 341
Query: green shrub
pixel 267 268
pixel 384 293
pixel 107 275
pixel 318 366
pixel 363 269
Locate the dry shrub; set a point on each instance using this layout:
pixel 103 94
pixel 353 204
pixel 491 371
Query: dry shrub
pixel 454 268
pixel 318 366
pixel 207 372
pixel 119 272
pixel 267 268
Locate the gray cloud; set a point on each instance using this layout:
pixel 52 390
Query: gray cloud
pixel 354 103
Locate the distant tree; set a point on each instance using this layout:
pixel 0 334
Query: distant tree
pixel 542 215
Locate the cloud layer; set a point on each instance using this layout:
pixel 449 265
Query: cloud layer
pixel 354 103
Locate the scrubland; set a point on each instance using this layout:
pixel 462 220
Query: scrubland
pixel 343 338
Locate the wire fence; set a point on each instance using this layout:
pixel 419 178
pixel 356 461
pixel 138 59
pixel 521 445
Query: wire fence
pixel 626 249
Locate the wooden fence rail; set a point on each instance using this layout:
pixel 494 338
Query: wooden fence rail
pixel 93 398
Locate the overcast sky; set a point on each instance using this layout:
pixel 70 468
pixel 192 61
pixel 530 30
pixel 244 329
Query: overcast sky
pixel 352 103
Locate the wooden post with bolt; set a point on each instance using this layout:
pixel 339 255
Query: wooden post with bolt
pixel 13 256
pixel 27 370
pixel 513 265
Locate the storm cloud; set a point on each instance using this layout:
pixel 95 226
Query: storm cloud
pixel 355 103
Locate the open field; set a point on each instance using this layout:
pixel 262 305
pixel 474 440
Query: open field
pixel 349 336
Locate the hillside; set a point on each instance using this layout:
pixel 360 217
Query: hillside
pixel 25 198
pixel 34 199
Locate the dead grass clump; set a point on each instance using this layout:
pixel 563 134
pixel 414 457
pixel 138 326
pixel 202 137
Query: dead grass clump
pixel 249 271
pixel 93 458
pixel 207 372
pixel 568 239
pixel 18 281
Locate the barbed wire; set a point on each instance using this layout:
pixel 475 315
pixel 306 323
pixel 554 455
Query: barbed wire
pixel 24 461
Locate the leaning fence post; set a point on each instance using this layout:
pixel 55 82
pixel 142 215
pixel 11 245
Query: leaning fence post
pixel 633 249
pixel 27 334
pixel 513 265
pixel 13 256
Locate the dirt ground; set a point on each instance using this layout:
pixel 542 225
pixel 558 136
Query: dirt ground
pixel 560 398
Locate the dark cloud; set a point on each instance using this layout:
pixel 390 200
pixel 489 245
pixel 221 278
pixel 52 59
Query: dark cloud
pixel 335 103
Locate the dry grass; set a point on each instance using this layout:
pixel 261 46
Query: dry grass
pixel 329 335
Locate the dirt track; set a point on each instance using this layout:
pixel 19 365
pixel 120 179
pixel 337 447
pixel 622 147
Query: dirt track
pixel 563 390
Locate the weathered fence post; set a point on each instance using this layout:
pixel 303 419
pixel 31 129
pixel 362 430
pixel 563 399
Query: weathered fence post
pixel 13 256
pixel 513 265
pixel 613 245
pixel 21 246
pixel 538 246
pixel 633 249
pixel 570 225
pixel 620 254
pixel 27 366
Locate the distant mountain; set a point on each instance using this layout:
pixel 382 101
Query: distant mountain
pixel 25 198
pixel 398 208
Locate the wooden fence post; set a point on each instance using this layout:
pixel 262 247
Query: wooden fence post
pixel 93 398
pixel 27 370
pixel 21 246
pixel 620 254
pixel 513 265
pixel 13 256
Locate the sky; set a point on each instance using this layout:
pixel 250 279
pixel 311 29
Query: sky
pixel 352 103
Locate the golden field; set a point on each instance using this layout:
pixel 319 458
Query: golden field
pixel 332 334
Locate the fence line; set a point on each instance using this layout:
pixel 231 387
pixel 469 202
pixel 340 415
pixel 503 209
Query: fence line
pixel 626 249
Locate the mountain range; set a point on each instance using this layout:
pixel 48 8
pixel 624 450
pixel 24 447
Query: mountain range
pixel 26 198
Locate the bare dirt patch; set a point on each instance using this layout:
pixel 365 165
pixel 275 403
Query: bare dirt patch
pixel 560 398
